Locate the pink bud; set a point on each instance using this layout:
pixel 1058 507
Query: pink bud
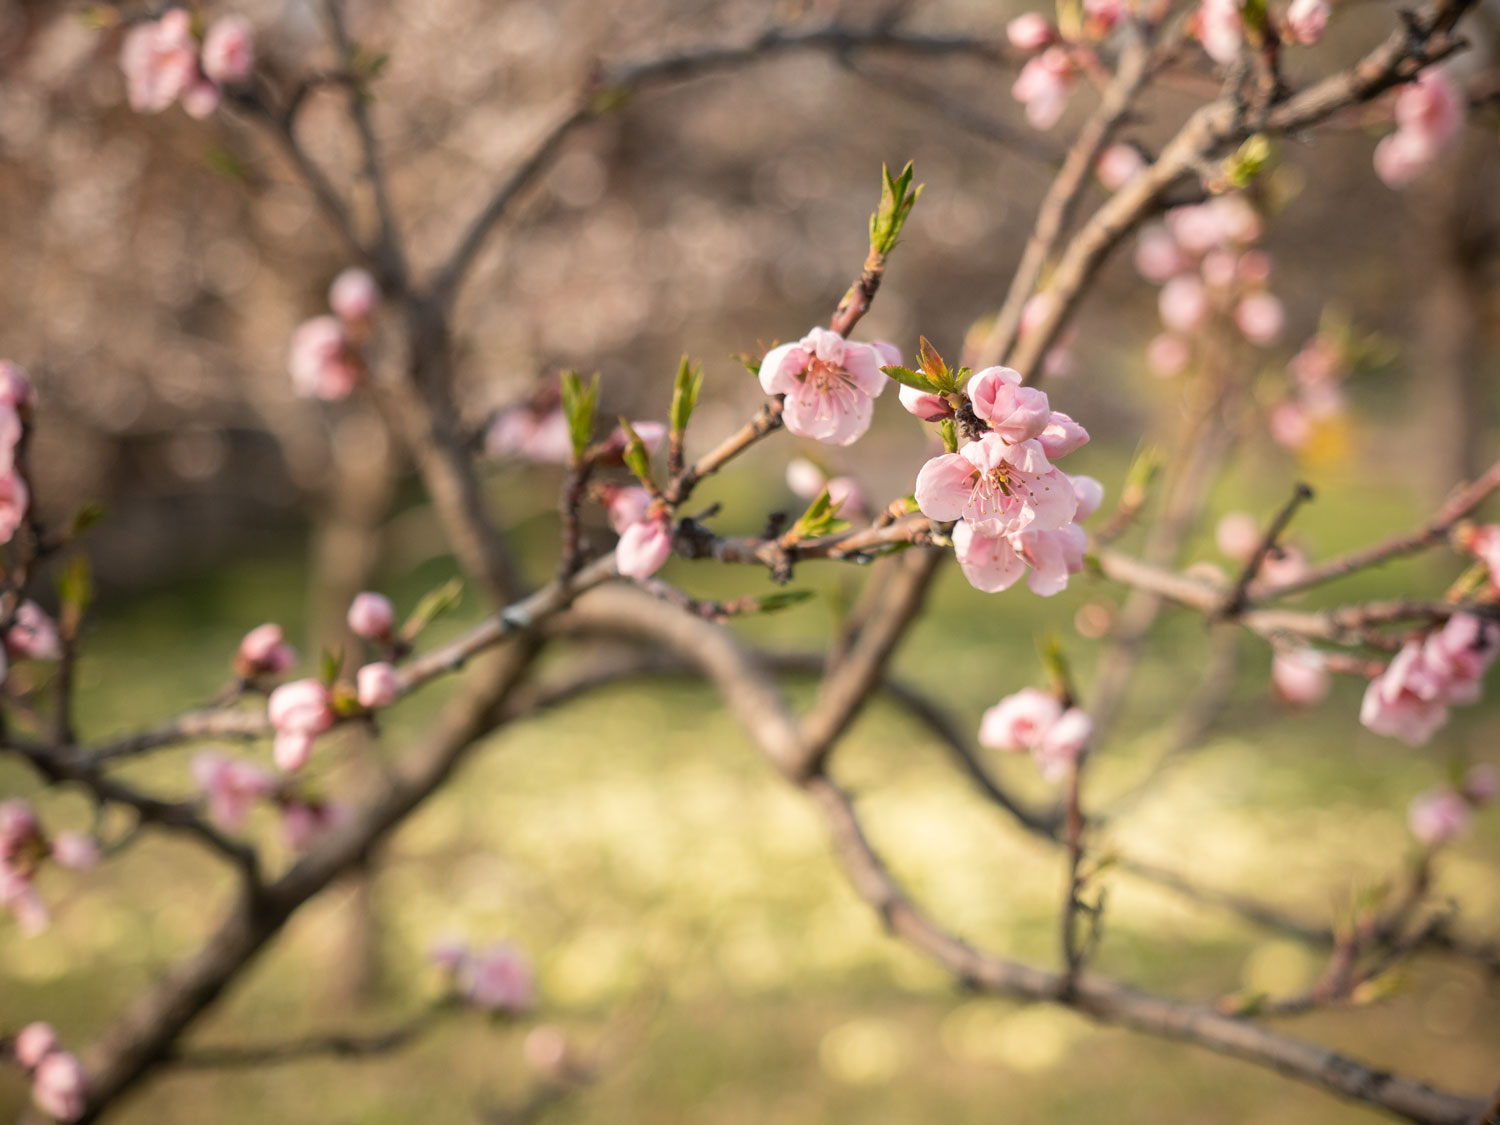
pixel 32 634
pixel 354 296
pixel 1260 317
pixel 926 406
pixel 264 652
pixel 1118 165
pixel 1183 304
pixel 847 495
pixel 371 616
pixel 1019 721
pixel 34 1042
pixel 299 711
pixel 232 787
pixel 1030 32
pixel 1090 494
pixel 1158 257
pixel 15 387
pixel 59 1086
pixel 322 360
pixel 229 51
pixel 1300 676
pixel 75 850
pixel 1221 29
pixel 626 505
pixel 499 979
pixel 1219 268
pixel 644 547
pixel 1438 816
pixel 1043 87
pixel 160 61
pixel 200 99
pixel 1305 22
pixel 378 685
pixel 805 479
pixel 1237 536
pixel 292 749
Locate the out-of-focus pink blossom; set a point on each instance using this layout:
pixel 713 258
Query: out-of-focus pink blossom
pixel 1317 363
pixel 59 1086
pixel 160 61
pixel 1168 354
pixel 1030 31
pixel 652 434
pixel 200 99
pixel 1060 747
pixel 1100 16
pixel 15 387
pixel 1043 86
pixel 1221 29
pixel 1219 269
pixel 547 1053
pixel 264 652
pixel 229 51
pixel 1438 816
pixel 830 385
pixel 15 498
pixel 20 831
pixel 371 616
pixel 1284 563
pixel 926 406
pixel 1020 721
pixel 1237 536
pixel 1260 317
pixel 1183 304
pixel 1407 700
pixel 524 433
pixel 498 979
pixel 804 478
pixel 644 547
pixel 1305 21
pixel 1254 268
pixel 354 296
pixel 34 1042
pixel 1014 412
pixel 75 851
pixel 1300 676
pixel 1089 493
pixel 448 954
pixel 19 896
pixel 1484 545
pixel 299 712
pixel 322 360
pixel 1289 425
pixel 628 504
pixel 1460 653
pixel 1118 165
pixel 232 787
pixel 1429 115
pixel 377 685
pixel 1158 257
pixel 32 634
pixel 1482 784
pixel 303 823
pixel 998 487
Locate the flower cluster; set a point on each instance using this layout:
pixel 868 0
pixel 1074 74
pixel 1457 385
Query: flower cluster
pixel 1016 510
pixel 23 849
pixel 830 384
pixel 1034 721
pixel 233 787
pixel 164 62
pixel 1441 815
pixel 498 978
pixel 32 635
pixel 325 358
pixel 1047 79
pixel 1315 400
pixel 59 1086
pixel 1430 114
pixel 1411 698
pixel 644 527
pixel 1220 26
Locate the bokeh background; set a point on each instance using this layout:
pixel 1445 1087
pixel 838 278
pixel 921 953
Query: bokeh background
pixel 686 922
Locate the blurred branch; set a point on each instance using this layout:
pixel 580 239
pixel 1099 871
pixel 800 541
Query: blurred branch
pixel 337 1045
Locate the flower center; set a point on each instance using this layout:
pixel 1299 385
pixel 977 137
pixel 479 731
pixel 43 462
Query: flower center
pixel 832 387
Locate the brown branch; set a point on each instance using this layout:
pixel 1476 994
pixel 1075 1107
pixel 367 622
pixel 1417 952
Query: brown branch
pixel 338 1045
pixel 1239 594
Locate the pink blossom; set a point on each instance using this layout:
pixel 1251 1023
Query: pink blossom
pixel 498 979
pixel 830 385
pixel 998 487
pixel 1429 116
pixel 1237 536
pixel 1300 676
pixel 15 387
pixel 1052 556
pixel 1484 545
pixel 371 616
pixel 1254 267
pixel 200 99
pixel 1316 364
pixel 1038 307
pixel 1089 493
pixel 530 435
pixel 925 405
pixel 299 712
pixel 449 954
pixel 1030 31
pixel 232 787
pixel 354 296
pixel 229 51
pixel 322 360
pixel 1014 412
pixel 1043 87
pixel 1406 700
pixel 15 498
pixel 1020 721
pixel 1168 355
pixel 652 434
pixel 20 831
pixel 34 1042
pixel 19 896
pixel 1062 436
pixel 991 563
pixel 1062 743
pixel 1220 268
pixel 644 547
pixel 1285 563
pixel 1183 303
pixel 264 652
pixel 804 478
pixel 303 823
pixel 1289 425
pixel 1305 21
pixel 160 61
pixel 1158 257
pixel 32 634
pixel 377 685
pixel 1220 29
pixel 1482 784
pixel 847 496
pixel 75 851
pixel 1460 653
pixel 627 504
pixel 1260 317
pixel 1438 816
pixel 1100 16
pixel 59 1086
pixel 1118 165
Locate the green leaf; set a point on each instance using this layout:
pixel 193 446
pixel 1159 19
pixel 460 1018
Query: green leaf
pixel 948 429
pixel 329 666
pixel 783 599
pixel 637 460
pixel 820 519
pixel 580 401
pixel 87 516
pixel 912 378
pixel 896 199
pixel 750 363
pixel 433 605
pixel 685 390
pixel 75 592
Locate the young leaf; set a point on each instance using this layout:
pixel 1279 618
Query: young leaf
pixel 637 460
pixel 75 590
pixel 949 432
pixel 783 599
pixel 433 605
pixel 820 519
pixel 685 393
pixel 896 199
pixel 750 363
pixel 330 665
pixel 579 405
pixel 912 379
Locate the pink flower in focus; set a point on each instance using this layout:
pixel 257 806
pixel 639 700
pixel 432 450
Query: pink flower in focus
pixel 1030 32
pixel 498 979
pixel 377 685
pixel 299 712
pixel 998 487
pixel 830 385
pixel 1014 412
pixel 32 634
pixel 160 61
pixel 354 296
pixel 991 563
pixel 322 360
pixel 1052 556
pixel 644 547
pixel 1260 317
pixel 15 498
pixel 1183 304
pixel 232 787
pixel 1168 355
pixel 371 616
pixel 1305 21
pixel 1221 29
pixel 1020 721
pixel 1300 676
pixel 264 652
pixel 1118 165
pixel 1062 743
pixel 59 1086
pixel 34 1042
pixel 1438 816
pixel 229 51
pixel 1237 536
pixel 1043 87
pixel 926 406
pixel 75 851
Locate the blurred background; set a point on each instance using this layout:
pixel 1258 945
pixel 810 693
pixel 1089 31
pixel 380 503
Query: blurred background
pixel 688 927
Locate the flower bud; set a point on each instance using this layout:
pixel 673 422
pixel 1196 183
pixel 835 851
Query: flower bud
pixel 378 685
pixel 371 616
